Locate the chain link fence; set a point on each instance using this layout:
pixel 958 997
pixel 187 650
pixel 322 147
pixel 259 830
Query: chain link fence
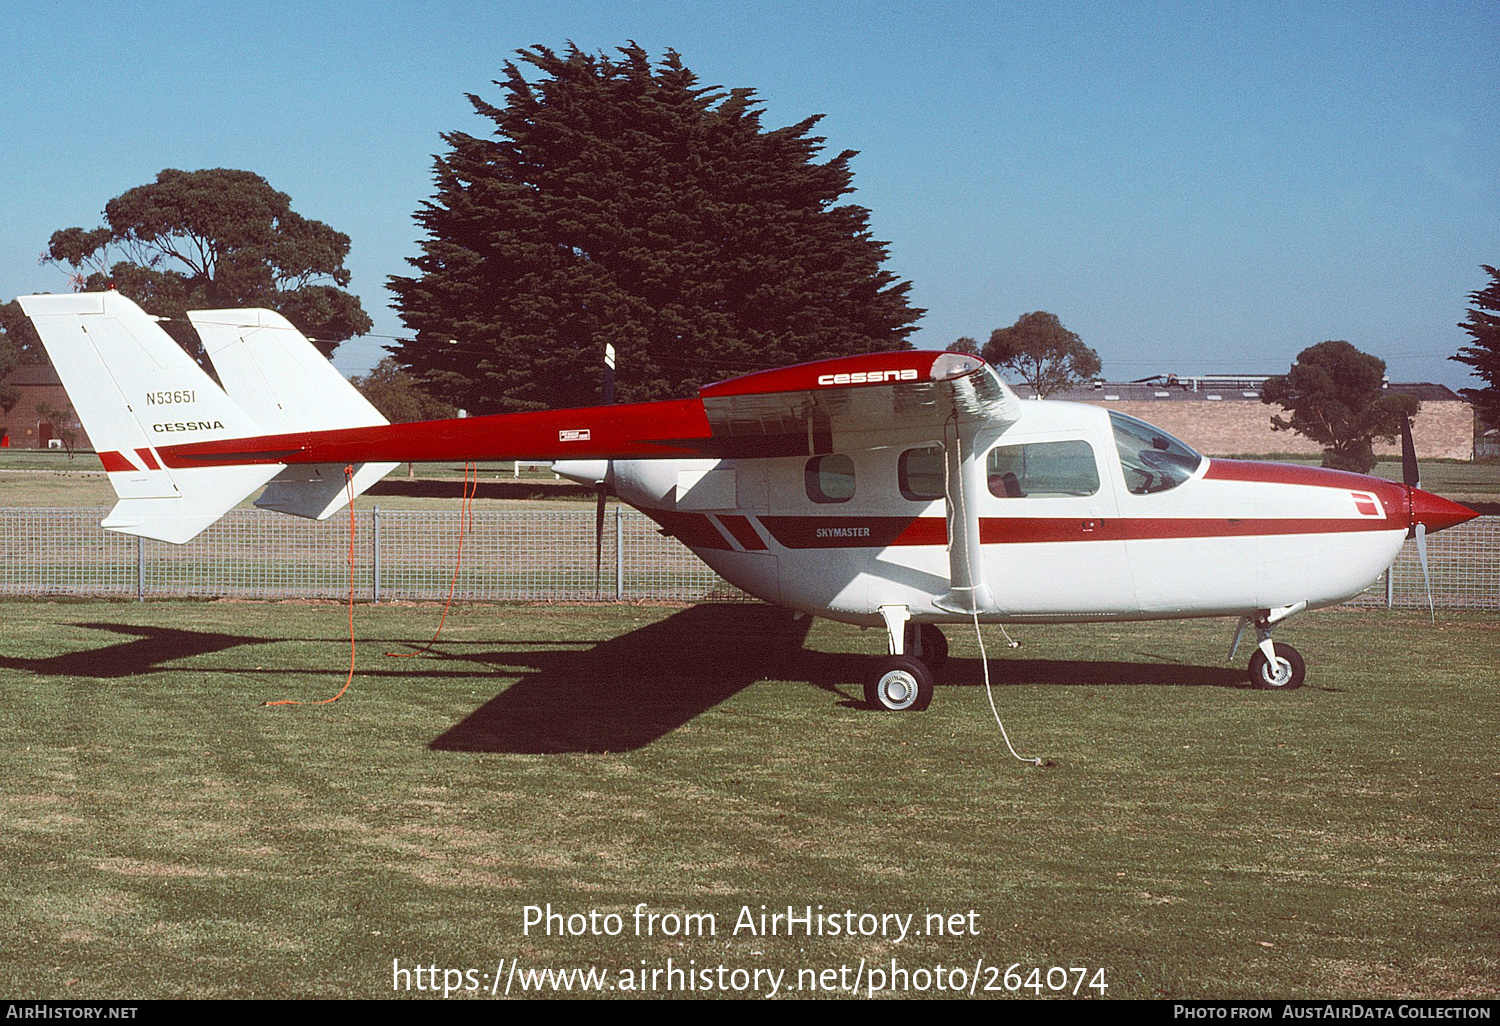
pixel 529 555
pixel 519 556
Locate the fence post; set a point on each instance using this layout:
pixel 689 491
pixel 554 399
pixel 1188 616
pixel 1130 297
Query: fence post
pixel 140 568
pixel 1390 593
pixel 376 588
pixel 619 553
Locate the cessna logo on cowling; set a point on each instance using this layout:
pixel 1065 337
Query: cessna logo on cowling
pixel 867 377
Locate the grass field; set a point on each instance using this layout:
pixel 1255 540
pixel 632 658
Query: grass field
pixel 164 835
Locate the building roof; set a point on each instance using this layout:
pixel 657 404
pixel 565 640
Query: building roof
pixel 33 375
pixel 1224 389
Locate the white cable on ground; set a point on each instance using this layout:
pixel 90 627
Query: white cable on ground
pixel 985 659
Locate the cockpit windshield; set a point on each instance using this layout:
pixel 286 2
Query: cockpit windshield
pixel 1153 460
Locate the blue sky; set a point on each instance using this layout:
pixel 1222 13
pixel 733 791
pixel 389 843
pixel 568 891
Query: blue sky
pixel 1195 188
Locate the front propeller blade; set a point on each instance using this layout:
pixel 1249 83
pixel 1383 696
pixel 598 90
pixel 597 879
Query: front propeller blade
pixel 1422 558
pixel 1409 472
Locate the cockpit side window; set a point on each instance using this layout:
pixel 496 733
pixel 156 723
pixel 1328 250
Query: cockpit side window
pixel 1152 460
pixel 1039 469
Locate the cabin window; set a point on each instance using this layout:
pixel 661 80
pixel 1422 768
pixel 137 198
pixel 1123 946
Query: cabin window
pixel 1152 460
pixel 830 478
pixel 1037 469
pixel 919 473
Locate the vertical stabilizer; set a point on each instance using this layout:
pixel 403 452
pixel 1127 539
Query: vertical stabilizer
pixel 134 389
pixel 270 369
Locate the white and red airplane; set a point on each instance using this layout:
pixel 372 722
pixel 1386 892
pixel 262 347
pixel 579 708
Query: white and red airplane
pixel 900 490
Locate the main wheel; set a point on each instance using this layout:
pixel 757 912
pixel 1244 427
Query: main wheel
pixel 1288 673
pixel 934 647
pixel 899 684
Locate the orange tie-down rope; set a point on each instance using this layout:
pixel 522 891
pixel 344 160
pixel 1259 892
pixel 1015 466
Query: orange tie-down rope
pixel 465 520
pixel 348 484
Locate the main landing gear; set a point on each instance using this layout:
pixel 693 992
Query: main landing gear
pixel 902 681
pixel 1276 666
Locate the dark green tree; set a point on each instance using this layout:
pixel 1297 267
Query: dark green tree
pixel 964 344
pixel 620 201
pixel 1483 326
pixel 397 395
pixel 9 394
pixel 19 344
pixel 1042 353
pixel 212 239
pixel 1336 396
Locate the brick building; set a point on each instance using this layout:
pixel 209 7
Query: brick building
pixel 25 425
pixel 1222 415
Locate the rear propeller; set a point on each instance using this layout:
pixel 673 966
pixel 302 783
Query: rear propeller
pixel 602 487
pixel 1411 476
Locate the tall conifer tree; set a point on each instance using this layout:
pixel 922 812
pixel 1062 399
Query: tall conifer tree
pixel 622 202
pixel 1483 325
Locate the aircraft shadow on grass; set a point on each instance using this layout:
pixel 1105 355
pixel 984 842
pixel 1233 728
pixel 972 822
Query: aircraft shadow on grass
pixel 627 692
pixel 151 650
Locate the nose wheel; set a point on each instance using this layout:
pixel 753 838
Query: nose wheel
pixel 1276 666
pixel 1286 673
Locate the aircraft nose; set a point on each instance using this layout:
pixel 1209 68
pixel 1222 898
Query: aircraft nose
pixel 1437 512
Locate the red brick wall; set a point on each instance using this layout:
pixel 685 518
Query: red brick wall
pixel 21 422
pixel 1441 429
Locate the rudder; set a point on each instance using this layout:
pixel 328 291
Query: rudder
pixel 134 389
pixel 274 373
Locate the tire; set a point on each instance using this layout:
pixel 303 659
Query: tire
pixel 899 684
pixel 934 645
pixel 1288 675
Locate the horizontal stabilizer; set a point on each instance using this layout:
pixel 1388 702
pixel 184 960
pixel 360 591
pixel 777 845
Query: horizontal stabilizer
pixel 318 490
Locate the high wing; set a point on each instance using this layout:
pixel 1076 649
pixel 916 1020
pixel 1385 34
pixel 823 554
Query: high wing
pixel 870 401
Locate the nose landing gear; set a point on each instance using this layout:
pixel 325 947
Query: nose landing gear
pixel 1287 672
pixel 1276 666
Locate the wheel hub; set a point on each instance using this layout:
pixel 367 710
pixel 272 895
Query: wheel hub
pixel 899 689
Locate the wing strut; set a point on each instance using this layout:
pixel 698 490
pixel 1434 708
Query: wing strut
pixel 967 590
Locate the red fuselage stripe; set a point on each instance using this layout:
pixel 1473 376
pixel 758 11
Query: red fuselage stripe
pixel 744 532
pixel 1003 530
pixel 832 532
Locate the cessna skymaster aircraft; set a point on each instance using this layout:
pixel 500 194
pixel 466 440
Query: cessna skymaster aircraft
pixel 900 490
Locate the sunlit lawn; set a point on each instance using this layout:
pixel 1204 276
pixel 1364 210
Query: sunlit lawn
pixel 165 834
